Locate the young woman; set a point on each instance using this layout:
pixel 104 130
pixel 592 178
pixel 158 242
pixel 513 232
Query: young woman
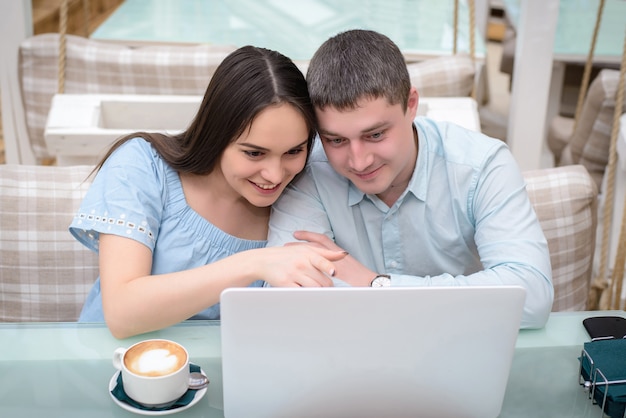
pixel 177 219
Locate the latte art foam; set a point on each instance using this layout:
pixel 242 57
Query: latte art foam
pixel 155 358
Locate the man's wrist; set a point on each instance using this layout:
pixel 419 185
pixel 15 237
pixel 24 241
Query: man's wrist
pixel 381 280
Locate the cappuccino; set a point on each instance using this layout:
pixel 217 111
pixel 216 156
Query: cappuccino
pixel 154 358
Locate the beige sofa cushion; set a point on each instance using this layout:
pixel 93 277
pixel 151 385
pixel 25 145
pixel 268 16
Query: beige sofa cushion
pixel 589 144
pixel 565 200
pixel 448 76
pixel 559 133
pixel 45 273
pixel 99 67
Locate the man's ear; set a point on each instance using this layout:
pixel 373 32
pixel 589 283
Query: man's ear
pixel 412 102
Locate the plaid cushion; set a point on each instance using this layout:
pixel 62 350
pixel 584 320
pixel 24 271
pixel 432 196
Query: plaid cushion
pixel 99 67
pixel 589 144
pixel 565 200
pixel 559 133
pixel 45 273
pixel 449 76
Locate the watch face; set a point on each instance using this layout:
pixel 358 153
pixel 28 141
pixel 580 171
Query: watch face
pixel 381 281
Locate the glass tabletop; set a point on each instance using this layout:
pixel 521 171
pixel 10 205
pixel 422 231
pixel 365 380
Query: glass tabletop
pixel 64 369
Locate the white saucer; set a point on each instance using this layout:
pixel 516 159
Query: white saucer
pixel 113 382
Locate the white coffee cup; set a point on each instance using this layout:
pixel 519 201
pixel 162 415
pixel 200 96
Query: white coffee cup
pixel 154 372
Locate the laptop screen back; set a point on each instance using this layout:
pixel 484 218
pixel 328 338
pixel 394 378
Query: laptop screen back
pixel 363 352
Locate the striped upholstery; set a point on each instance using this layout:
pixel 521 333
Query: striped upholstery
pixel 448 76
pixel 589 144
pixel 45 273
pixel 99 67
pixel 565 200
pixel 107 68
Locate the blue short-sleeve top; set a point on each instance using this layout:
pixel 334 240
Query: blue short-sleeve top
pixel 137 195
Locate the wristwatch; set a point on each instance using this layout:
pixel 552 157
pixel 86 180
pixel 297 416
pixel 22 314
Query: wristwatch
pixel 381 280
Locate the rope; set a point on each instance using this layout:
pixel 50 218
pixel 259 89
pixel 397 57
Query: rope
pixel 587 72
pixel 86 17
pixel 62 45
pixel 620 257
pixel 602 282
pixel 456 25
pixel 472 28
pixel 472 37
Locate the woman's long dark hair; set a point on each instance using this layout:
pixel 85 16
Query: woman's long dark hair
pixel 248 80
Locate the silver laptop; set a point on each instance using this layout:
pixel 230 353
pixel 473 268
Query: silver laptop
pixel 364 352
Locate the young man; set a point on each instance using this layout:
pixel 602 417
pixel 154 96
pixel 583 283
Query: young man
pixel 415 202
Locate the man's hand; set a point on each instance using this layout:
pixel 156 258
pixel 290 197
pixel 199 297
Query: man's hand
pixel 347 269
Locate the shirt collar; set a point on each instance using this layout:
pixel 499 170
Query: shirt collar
pixel 354 194
pixel 418 185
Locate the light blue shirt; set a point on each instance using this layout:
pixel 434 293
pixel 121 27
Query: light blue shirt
pixel 139 196
pixel 464 219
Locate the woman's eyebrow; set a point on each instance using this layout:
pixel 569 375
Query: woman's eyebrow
pixel 259 148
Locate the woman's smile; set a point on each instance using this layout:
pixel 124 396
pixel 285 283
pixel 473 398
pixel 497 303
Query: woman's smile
pixel 266 187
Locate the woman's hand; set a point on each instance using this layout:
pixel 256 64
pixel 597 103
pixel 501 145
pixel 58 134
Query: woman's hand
pixel 297 265
pixel 347 268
